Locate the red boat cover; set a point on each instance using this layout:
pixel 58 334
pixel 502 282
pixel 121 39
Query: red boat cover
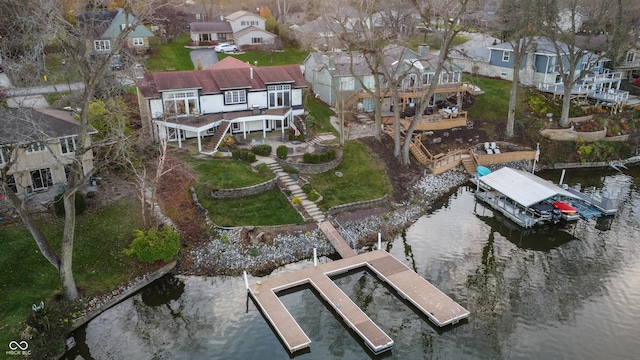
pixel 564 207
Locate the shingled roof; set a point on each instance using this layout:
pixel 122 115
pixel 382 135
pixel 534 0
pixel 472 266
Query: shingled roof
pixel 229 73
pixel 29 125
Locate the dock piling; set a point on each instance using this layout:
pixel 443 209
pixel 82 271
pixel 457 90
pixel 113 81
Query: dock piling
pixel 246 279
pixel 379 241
pixel 315 257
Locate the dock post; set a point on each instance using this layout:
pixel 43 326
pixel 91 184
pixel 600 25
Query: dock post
pixel 315 257
pixel 562 177
pixel 379 241
pixel 246 279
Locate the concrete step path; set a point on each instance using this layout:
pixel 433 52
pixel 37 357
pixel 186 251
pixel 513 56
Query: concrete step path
pixel 309 206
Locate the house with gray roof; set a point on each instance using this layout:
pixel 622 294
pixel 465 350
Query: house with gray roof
pixel 107 27
pixel 229 97
pixel 38 145
pixel 335 74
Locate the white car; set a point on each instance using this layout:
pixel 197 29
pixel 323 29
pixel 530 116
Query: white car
pixel 223 48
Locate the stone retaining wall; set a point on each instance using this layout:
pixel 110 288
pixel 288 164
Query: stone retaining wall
pixel 572 135
pixel 616 138
pixel 306 168
pixel 245 191
pixel 580 119
pixel 358 205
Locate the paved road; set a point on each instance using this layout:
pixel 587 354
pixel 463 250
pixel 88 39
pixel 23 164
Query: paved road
pixel 203 57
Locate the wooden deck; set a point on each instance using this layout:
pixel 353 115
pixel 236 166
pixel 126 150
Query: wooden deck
pixel 437 306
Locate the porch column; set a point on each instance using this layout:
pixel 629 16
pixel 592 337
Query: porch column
pixel 264 128
pixel 282 127
pixel 199 142
pixel 178 134
pixel 244 129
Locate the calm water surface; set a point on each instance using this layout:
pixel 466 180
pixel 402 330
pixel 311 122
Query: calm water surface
pixel 572 293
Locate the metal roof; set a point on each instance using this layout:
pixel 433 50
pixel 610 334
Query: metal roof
pixel 522 187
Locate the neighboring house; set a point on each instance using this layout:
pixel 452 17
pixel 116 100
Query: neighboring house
pixel 228 97
pixel 630 58
pixel 210 33
pixel 107 27
pixel 337 75
pixel 249 29
pixel 43 142
pixel 317 34
pixel 541 68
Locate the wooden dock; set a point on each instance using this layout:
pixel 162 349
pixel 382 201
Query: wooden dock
pixel 338 242
pixel 437 306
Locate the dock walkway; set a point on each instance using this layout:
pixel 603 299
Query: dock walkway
pixel 437 306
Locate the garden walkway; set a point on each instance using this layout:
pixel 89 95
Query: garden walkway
pixel 292 185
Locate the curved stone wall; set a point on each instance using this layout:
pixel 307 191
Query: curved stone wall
pixel 306 168
pixel 358 205
pixel 245 191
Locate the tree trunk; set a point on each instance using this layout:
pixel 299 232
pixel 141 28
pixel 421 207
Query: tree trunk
pixel 513 94
pixel 46 250
pixel 378 109
pixel 68 236
pixel 566 101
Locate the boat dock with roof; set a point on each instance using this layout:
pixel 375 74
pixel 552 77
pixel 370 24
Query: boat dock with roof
pixel 518 195
pixel 433 303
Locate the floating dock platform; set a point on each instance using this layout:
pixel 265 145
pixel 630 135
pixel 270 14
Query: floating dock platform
pixel 433 303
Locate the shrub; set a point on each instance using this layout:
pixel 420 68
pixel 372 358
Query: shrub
pixel 313 196
pixel 306 157
pixel 262 150
pixel 251 157
pixel 310 121
pixel 282 152
pixel 331 154
pixel 228 141
pixel 235 154
pixel 306 188
pixel 296 200
pixel 58 204
pixel 155 245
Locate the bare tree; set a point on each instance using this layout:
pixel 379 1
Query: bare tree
pixel 74 33
pixel 431 11
pixel 565 18
pixel 516 23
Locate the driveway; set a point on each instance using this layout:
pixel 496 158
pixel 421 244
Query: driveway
pixel 203 58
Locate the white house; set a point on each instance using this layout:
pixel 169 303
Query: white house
pixel 249 29
pixel 228 97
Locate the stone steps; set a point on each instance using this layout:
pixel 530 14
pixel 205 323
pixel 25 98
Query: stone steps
pixel 309 206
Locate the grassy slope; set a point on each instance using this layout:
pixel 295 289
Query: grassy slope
pixel 494 103
pixel 99 264
pixel 363 178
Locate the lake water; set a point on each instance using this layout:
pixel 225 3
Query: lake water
pixel 571 293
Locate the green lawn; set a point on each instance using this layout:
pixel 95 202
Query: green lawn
pixel 320 112
pixel 170 57
pixel 268 208
pixel 99 263
pixel 363 178
pixel 227 174
pixel 494 103
pixel 292 55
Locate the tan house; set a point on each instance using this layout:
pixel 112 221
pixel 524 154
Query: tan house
pixel 107 26
pixel 38 145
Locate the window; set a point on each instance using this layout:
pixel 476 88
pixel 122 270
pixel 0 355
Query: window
pixel 503 74
pixel 243 23
pixel 5 155
pixel 182 103
pixel 631 56
pixel 138 42
pixel 11 181
pixel 41 179
pixel 256 40
pixel 506 56
pixel 235 97
pixel 222 37
pixel 254 23
pixel 35 147
pixel 427 78
pixel 197 16
pixel 102 45
pixel 347 83
pixel 68 144
pixel 279 96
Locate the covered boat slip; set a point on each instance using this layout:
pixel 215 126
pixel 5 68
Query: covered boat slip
pixel 514 193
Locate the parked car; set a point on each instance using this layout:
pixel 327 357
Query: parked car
pixel 116 62
pixel 225 47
